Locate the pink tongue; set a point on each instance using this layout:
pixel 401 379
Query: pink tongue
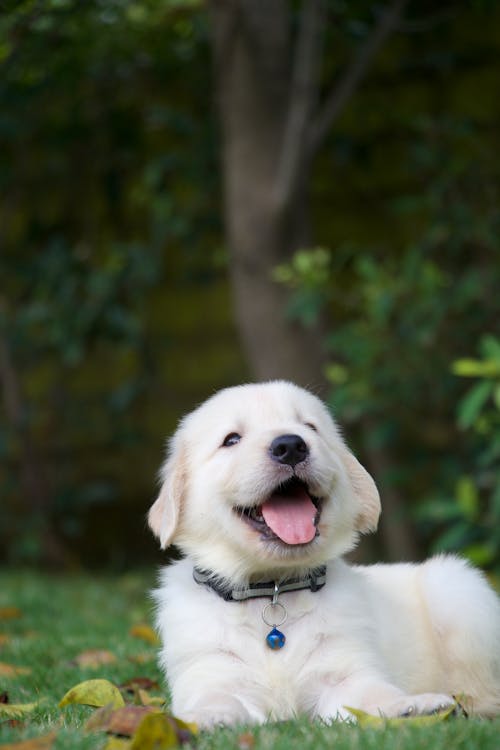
pixel 291 517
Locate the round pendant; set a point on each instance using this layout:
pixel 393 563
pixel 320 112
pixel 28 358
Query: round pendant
pixel 275 639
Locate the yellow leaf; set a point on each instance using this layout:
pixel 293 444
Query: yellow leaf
pixel 146 633
pixel 10 670
pixel 10 613
pixel 117 743
pixel 44 742
pixel 155 732
pixel 12 710
pixel 146 699
pixel 379 722
pixel 94 693
pixel 188 726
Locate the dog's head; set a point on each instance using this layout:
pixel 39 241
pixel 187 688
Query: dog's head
pixel 258 480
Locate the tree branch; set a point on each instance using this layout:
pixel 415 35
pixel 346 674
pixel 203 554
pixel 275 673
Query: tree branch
pixel 349 82
pixel 302 99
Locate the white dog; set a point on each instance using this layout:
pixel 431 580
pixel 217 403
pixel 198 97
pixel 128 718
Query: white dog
pixel 262 619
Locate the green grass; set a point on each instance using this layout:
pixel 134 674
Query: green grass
pixel 62 617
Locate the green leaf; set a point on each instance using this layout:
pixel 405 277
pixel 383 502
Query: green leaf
pixel 336 373
pixel 472 403
pixel 496 396
pixel 480 554
pixel 490 347
pixel 453 538
pixel 467 497
pixel 476 368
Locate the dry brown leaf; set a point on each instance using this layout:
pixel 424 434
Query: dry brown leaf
pixel 10 613
pixel 12 670
pixel 139 683
pixel 44 742
pixel 123 721
pixel 146 633
pixel 93 658
pixel 246 741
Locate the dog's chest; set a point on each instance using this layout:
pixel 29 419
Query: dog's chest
pixel 247 625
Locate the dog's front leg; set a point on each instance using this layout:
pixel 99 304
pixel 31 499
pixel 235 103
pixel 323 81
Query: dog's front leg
pixel 377 697
pixel 212 694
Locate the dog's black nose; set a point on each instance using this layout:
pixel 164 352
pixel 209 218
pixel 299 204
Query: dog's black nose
pixel 288 449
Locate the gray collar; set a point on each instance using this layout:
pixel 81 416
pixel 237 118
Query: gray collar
pixel 313 580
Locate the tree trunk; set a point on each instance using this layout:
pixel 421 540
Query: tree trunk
pixel 252 67
pixel 272 127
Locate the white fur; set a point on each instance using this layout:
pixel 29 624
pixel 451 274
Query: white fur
pixel 382 638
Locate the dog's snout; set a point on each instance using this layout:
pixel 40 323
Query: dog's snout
pixel 288 449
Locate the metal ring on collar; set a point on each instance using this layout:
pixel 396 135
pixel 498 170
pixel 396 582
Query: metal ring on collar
pixel 273 622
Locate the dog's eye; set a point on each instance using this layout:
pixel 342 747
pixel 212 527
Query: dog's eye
pixel 231 439
pixel 312 426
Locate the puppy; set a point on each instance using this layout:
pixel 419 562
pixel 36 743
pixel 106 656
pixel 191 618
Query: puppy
pixel 262 619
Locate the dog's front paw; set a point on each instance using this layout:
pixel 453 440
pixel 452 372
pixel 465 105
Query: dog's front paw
pixel 418 705
pixel 220 713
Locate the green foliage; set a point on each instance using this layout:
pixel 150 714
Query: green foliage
pixel 472 513
pixel 307 274
pixel 108 197
pixel 113 291
pixel 403 313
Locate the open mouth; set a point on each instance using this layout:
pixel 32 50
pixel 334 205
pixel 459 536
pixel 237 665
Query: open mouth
pixel 290 514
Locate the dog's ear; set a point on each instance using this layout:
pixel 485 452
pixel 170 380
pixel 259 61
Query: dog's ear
pixel 164 514
pixel 367 493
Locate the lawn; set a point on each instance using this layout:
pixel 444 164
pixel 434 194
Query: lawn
pixel 48 625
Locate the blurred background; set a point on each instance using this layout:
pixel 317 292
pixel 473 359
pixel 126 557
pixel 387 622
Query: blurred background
pixel 196 194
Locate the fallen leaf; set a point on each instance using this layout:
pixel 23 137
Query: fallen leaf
pixel 186 726
pixel 44 742
pixel 117 743
pixel 93 658
pixel 99 718
pixel 145 699
pixel 245 741
pixel 155 732
pixel 123 721
pixel 10 613
pixel 465 704
pixel 94 693
pixel 13 710
pixel 4 639
pixel 139 683
pixel 146 633
pixel 11 670
pixel 379 722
